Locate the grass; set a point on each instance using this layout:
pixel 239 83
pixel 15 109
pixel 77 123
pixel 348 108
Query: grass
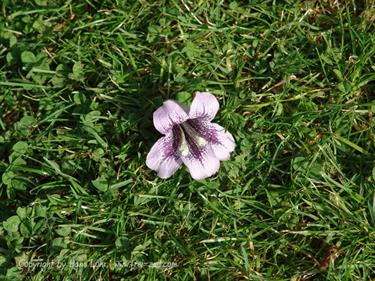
pixel 79 81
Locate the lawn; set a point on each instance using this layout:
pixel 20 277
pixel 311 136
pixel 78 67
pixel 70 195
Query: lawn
pixel 79 82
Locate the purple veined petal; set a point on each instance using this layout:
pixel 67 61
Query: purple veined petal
pixel 204 105
pixel 162 157
pixel 223 143
pixel 203 165
pixel 168 115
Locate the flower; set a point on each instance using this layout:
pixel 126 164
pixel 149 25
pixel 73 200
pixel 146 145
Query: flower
pixel 190 138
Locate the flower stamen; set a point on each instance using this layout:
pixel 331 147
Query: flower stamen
pixel 183 147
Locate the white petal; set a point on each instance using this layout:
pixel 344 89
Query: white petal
pixel 162 157
pixel 168 115
pixel 204 105
pixel 224 143
pixel 204 166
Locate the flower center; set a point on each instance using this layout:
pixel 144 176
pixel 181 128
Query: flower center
pixel 190 141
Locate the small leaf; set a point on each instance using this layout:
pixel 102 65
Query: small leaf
pixel 11 224
pixel 24 126
pixel 233 5
pixel 12 40
pixel 20 147
pixel 40 212
pixel 92 117
pixel 326 59
pixel 59 243
pixel 122 244
pixel 28 57
pixel 53 165
pixel 21 259
pixel 57 81
pixel 101 183
pixel 9 57
pixel 7 177
pixel 22 213
pixel 97 154
pixel 190 50
pixel 338 74
pixel 14 274
pixel 19 185
pixel 279 109
pixel 77 68
pixel 39 25
pixel 41 2
pixel 19 162
pixel 25 228
pixel 79 98
pixel 3 260
pixel 63 230
pixel 39 226
pixel 299 163
pixel 77 72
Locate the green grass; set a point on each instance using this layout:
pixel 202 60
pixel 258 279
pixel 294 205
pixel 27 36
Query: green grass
pixel 79 81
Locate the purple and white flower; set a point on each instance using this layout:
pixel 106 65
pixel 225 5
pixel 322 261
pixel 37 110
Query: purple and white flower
pixel 190 138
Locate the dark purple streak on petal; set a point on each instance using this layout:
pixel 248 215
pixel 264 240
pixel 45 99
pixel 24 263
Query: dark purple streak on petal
pixel 163 157
pixel 204 129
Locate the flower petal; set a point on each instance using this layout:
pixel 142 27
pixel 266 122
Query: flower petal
pixel 204 166
pixel 204 105
pixel 168 115
pixel 223 143
pixel 162 157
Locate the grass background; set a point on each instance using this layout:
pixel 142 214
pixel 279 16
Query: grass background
pixel 79 81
